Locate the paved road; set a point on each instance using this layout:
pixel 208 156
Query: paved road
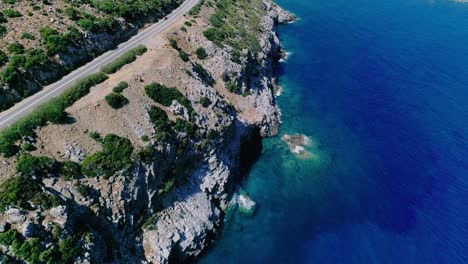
pixel 26 106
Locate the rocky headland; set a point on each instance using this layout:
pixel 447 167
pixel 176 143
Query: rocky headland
pixel 168 202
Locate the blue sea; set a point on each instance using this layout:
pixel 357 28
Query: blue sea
pixel 381 89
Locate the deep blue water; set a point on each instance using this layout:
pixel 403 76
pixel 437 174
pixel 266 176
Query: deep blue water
pixel 381 88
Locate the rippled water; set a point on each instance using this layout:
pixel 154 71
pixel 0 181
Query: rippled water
pixel 381 89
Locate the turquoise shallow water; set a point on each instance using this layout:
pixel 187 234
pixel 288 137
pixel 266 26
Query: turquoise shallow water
pixel 381 89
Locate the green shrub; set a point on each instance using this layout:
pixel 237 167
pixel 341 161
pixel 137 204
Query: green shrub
pixel 196 9
pixel 205 101
pixel 116 101
pixel 161 122
pixel 3 58
pixel 15 48
pixel 7 238
pixel 127 58
pixel 183 29
pixel 173 43
pixel 49 255
pixel 201 53
pixel 165 95
pixel 70 170
pixel 18 191
pixel 217 20
pixel 85 191
pixel 9 74
pixel 27 35
pixel 188 23
pixel 29 250
pixel 167 185
pixel 233 88
pixel 144 138
pixel 27 147
pixel 203 74
pixel 120 87
pixel 54 41
pixel 183 55
pixel 72 13
pixel 115 156
pixel 69 249
pixel 3 30
pixel 11 13
pixel 215 35
pixel 50 112
pixel 29 166
pixel 3 19
pixel 95 135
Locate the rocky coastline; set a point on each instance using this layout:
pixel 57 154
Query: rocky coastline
pixel 128 224
pixel 214 185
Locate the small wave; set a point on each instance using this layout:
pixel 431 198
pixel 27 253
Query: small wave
pixel 286 56
pixel 278 91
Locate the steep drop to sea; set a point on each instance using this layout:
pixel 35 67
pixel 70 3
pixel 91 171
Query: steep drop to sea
pixel 380 89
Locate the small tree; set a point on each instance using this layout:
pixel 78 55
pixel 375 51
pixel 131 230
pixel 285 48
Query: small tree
pixel 201 53
pixel 116 101
pixel 205 101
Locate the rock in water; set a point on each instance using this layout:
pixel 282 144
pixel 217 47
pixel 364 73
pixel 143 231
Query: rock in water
pixel 246 204
pixel 296 143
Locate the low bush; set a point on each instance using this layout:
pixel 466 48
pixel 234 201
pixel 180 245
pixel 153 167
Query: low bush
pixel 96 136
pixel 161 122
pixel 70 170
pixel 11 13
pixel 116 101
pixel 3 58
pixel 72 13
pixel 3 19
pixel 174 44
pixel 15 48
pixel 196 9
pixel 69 249
pixel 50 112
pixel 120 87
pixel 3 30
pixel 7 238
pixel 183 55
pixel 20 190
pixel 205 101
pixel 233 88
pixel 115 156
pixel 127 58
pixel 203 74
pixel 29 250
pixel 27 35
pixel 201 53
pixel 84 190
pixel 29 166
pixel 165 95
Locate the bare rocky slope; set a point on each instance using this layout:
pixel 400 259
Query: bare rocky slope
pixel 167 204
